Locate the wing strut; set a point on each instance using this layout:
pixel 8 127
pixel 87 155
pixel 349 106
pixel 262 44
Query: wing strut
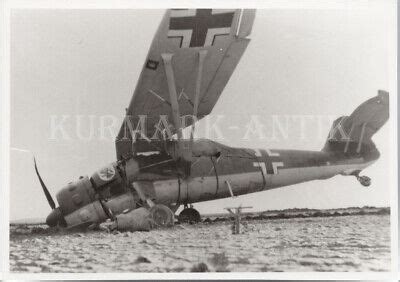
pixel 185 153
pixel 182 154
pixel 230 188
pixel 201 57
pixel 167 58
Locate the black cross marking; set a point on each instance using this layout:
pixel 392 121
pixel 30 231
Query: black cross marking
pixel 200 23
pixel 269 160
pixel 268 164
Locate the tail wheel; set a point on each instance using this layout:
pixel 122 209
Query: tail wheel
pixel 364 180
pixel 189 215
pixel 162 215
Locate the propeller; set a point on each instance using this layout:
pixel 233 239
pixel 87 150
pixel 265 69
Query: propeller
pixel 45 190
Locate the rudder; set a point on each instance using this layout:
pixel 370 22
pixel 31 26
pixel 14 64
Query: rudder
pixel 352 134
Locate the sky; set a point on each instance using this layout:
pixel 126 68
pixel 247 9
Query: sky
pixel 82 65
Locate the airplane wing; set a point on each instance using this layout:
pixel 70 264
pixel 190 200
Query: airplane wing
pixel 194 51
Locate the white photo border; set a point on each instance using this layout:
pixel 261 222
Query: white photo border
pixel 8 5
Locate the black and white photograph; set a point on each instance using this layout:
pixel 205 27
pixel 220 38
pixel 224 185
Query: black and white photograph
pixel 202 139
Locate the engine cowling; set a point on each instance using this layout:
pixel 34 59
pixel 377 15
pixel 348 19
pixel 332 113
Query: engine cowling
pixel 98 197
pixel 84 191
pixel 75 195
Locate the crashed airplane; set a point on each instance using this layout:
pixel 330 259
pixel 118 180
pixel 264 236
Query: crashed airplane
pixel 190 61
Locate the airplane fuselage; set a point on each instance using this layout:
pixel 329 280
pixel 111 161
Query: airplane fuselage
pixel 232 172
pixel 245 171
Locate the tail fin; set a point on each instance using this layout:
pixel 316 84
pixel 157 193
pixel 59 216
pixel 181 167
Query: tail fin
pixel 352 134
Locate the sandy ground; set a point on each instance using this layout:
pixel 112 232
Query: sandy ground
pixel 347 243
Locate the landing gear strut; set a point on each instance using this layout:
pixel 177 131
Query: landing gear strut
pixel 189 215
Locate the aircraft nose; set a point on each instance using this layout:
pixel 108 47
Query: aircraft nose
pixel 54 217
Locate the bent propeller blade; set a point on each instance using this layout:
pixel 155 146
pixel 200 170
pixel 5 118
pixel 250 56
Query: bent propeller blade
pixel 45 190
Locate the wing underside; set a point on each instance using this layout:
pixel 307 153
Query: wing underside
pixel 203 47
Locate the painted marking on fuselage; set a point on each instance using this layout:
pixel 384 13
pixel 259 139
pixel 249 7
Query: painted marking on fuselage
pixel 257 152
pixel 106 173
pixel 262 166
pixel 275 166
pixel 269 153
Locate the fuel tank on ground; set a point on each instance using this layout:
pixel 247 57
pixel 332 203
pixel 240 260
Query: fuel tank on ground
pixel 91 213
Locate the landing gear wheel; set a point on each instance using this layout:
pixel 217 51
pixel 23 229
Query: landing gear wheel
pixel 364 180
pixel 189 215
pixel 162 215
